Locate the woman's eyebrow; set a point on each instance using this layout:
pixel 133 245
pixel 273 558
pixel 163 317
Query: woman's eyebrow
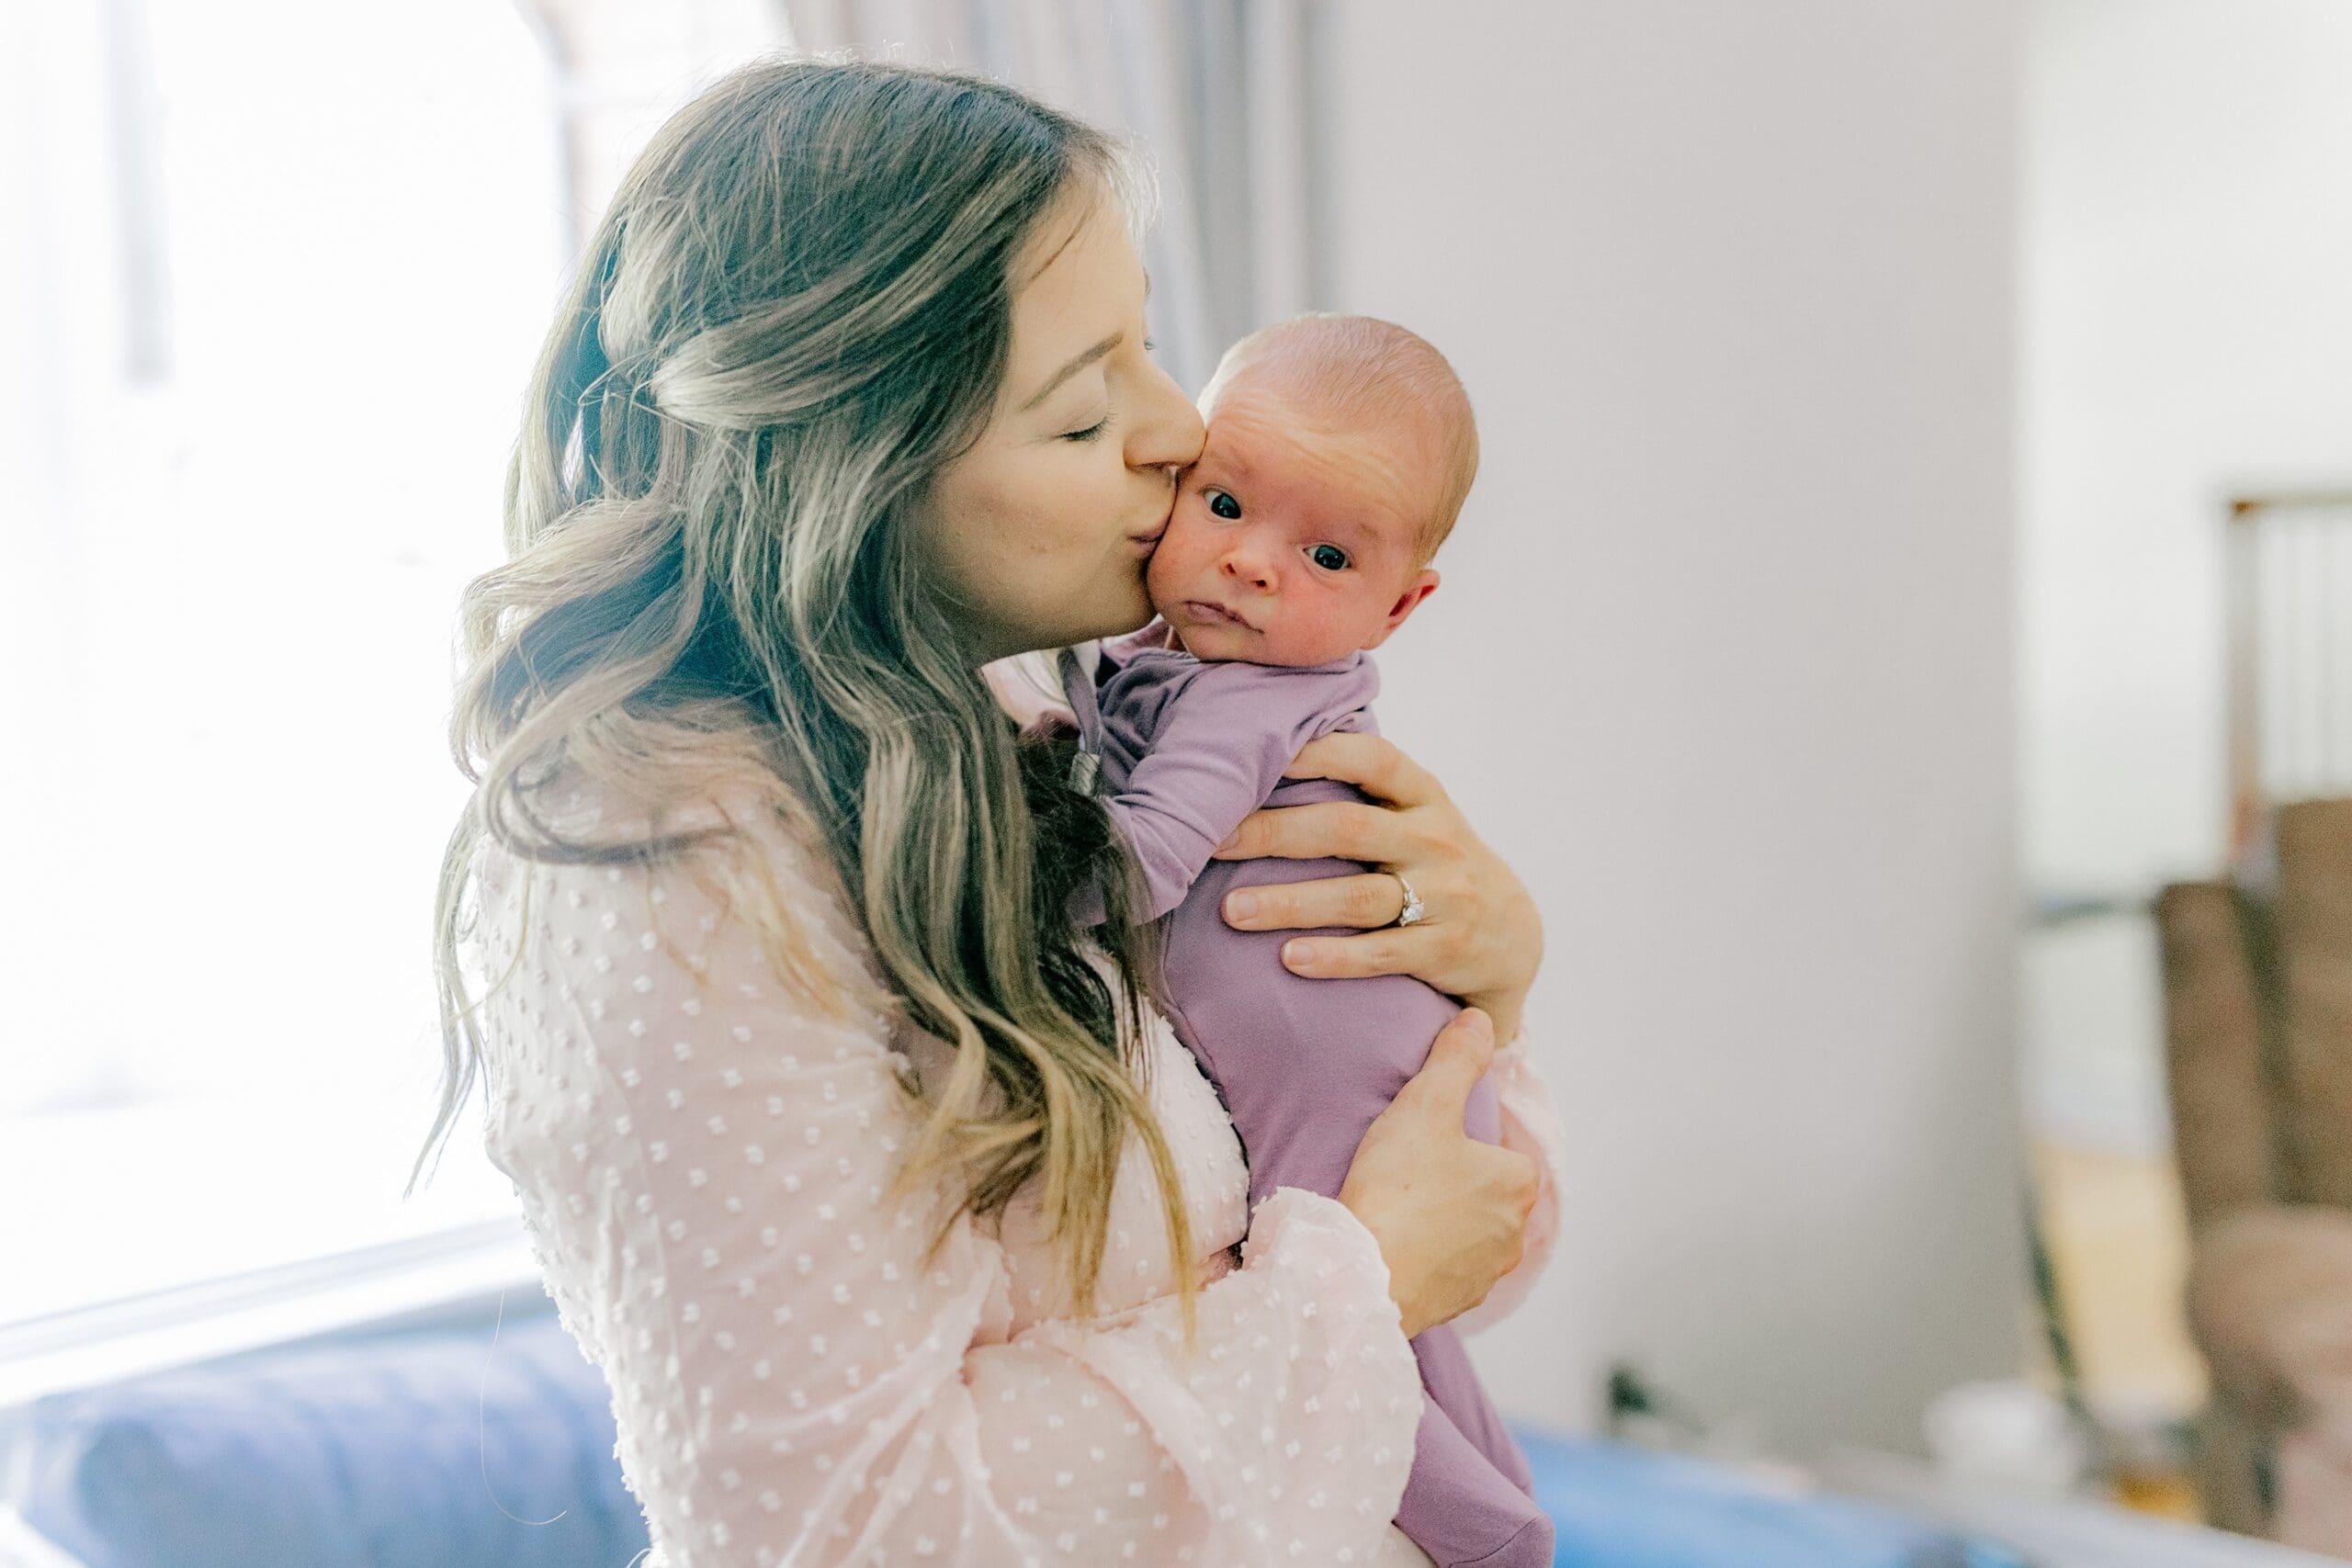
pixel 1073 368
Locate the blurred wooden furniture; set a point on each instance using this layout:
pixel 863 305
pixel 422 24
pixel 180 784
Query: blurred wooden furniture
pixel 2258 1044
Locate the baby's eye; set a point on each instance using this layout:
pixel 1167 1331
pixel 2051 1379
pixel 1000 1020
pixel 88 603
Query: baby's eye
pixel 1224 505
pixel 1330 558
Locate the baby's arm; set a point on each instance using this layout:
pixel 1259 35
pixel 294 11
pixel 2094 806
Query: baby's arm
pixel 1220 749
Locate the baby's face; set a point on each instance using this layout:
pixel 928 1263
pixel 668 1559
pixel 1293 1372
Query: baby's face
pixel 1290 543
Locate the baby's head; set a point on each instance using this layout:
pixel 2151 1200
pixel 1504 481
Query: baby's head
pixel 1340 450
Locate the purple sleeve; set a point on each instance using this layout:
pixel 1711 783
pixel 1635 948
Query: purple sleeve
pixel 1220 749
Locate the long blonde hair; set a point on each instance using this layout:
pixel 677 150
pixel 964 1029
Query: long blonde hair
pixel 796 310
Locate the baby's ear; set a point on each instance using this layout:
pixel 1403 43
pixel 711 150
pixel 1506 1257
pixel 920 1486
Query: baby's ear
pixel 1424 583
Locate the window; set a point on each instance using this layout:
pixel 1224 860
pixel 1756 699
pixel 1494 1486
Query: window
pixel 280 271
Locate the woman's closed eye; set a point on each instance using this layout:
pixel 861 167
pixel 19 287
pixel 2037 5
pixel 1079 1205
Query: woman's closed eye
pixel 1094 432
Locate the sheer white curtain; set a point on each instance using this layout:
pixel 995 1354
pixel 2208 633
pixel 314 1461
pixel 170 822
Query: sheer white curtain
pixel 624 64
pixel 273 277
pixel 270 285
pixel 1220 93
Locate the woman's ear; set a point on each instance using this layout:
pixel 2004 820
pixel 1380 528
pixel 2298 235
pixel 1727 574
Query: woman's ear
pixel 1424 583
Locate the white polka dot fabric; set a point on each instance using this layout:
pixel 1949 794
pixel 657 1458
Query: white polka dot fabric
pixel 702 1159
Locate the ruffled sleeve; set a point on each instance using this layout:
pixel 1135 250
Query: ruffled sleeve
pixel 701 1152
pixel 1530 1124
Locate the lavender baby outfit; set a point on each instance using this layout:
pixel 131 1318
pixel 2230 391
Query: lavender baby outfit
pixel 1184 750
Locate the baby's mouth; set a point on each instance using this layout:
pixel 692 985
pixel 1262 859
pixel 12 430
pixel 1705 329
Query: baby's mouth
pixel 1203 610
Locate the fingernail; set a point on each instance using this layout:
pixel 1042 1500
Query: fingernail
pixel 1240 905
pixel 1480 1026
pixel 1301 954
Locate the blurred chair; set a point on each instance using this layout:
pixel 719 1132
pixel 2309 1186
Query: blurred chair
pixel 2259 1045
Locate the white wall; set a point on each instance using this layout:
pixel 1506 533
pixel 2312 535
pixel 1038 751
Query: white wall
pixel 1723 655
pixel 2187 328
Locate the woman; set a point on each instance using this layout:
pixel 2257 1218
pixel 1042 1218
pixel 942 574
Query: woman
pixel 898 1221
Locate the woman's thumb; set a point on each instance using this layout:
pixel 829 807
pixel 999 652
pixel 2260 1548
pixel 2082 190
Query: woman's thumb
pixel 1458 1058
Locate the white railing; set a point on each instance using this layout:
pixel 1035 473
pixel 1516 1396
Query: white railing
pixel 2290 691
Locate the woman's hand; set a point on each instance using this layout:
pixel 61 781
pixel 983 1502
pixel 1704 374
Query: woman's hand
pixel 1449 1213
pixel 1480 940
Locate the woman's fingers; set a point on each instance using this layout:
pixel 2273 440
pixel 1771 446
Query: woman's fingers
pixel 1392 951
pixel 1337 830
pixel 1371 762
pixel 1446 1210
pixel 1458 1058
pixel 1482 940
pixel 1376 898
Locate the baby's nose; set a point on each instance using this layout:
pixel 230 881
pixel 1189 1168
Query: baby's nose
pixel 1250 568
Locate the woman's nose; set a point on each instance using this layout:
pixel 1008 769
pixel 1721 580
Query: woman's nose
pixel 1170 434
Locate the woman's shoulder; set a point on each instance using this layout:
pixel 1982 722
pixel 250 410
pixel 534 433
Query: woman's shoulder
pixel 735 886
pixel 599 829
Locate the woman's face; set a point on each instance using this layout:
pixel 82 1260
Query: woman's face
pixel 1041 533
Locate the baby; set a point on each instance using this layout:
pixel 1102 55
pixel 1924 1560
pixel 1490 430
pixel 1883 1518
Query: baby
pixel 1340 450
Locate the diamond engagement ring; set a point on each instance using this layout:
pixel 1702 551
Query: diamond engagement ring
pixel 1413 909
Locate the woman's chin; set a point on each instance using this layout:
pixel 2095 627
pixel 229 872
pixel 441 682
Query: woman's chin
pixel 1137 615
pixel 1131 616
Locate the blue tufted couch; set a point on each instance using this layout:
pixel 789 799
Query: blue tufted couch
pixel 440 1449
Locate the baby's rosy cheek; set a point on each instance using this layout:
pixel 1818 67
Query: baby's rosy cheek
pixel 1162 573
